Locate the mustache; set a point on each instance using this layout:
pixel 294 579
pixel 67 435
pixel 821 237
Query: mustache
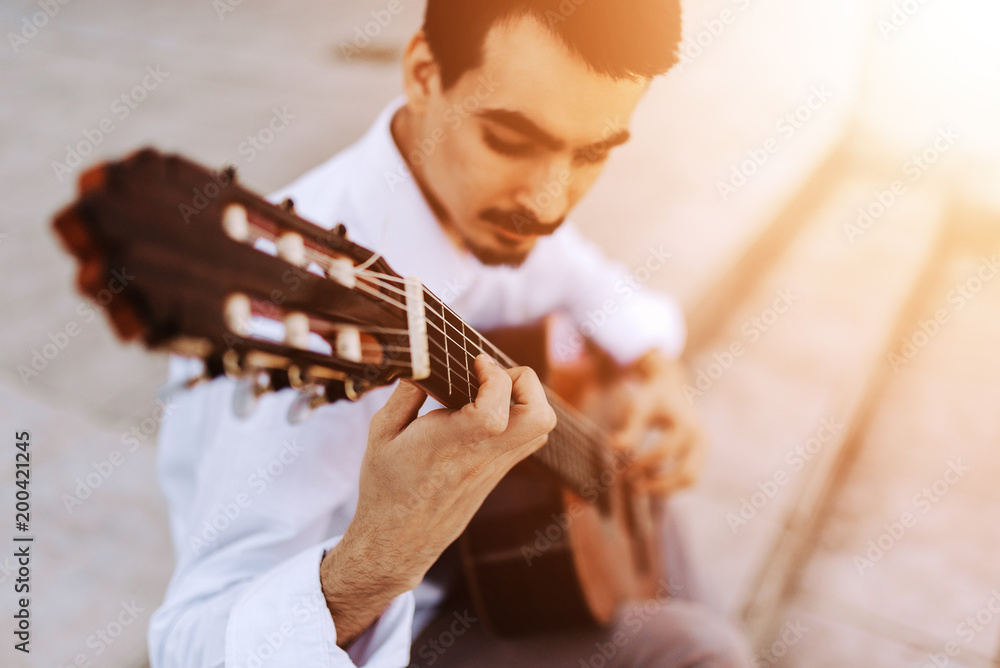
pixel 522 221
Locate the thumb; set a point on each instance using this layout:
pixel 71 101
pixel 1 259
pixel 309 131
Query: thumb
pixel 400 410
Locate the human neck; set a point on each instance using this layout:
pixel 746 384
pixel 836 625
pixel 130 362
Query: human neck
pixel 401 127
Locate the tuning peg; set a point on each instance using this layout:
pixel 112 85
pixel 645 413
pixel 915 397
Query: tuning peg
pixel 348 344
pixel 252 387
pixel 232 365
pixel 288 204
pixel 310 398
pixel 235 223
pixel 237 313
pixel 340 230
pixel 245 397
pixel 228 174
pixel 342 270
pixel 291 247
pixel 297 330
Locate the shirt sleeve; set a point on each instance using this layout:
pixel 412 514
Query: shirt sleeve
pixel 609 303
pixel 255 502
pixel 281 619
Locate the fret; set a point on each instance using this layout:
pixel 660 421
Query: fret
pixel 447 355
pixel 575 451
pixel 444 352
pixel 460 342
pixel 468 367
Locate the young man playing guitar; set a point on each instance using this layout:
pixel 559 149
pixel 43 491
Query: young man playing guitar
pixel 312 543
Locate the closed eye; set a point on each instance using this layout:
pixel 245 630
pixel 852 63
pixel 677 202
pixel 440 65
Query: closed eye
pixel 513 149
pixel 590 157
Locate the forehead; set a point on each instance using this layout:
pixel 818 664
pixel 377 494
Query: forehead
pixel 533 72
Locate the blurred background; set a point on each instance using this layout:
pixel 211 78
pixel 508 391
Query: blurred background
pixel 825 175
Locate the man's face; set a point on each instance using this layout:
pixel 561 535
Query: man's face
pixel 513 145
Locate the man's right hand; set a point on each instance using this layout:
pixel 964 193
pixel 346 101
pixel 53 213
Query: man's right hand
pixel 422 480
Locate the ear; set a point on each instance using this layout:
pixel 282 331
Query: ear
pixel 421 76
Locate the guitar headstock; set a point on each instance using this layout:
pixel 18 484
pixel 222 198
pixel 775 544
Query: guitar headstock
pixel 185 259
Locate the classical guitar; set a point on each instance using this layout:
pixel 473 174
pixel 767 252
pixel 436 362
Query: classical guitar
pixel 562 542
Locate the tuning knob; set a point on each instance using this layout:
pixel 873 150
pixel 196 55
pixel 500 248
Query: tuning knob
pixel 310 398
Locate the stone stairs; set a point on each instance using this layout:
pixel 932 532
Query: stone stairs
pixel 791 413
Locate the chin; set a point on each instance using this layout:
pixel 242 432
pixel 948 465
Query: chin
pixel 499 255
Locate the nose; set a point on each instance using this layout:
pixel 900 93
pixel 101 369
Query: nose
pixel 547 195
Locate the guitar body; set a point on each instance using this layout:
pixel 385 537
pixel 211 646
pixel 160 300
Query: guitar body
pixel 538 557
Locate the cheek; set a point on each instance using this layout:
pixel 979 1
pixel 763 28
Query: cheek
pixel 476 178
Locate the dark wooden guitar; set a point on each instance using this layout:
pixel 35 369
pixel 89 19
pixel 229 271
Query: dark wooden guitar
pixel 562 542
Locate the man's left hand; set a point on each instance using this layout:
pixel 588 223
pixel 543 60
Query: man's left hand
pixel 656 425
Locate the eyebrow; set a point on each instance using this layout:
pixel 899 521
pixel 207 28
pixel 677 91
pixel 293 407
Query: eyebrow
pixel 518 122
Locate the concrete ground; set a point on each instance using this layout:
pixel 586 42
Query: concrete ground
pixel 816 380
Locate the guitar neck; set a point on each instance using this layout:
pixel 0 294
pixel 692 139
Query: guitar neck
pixel 575 452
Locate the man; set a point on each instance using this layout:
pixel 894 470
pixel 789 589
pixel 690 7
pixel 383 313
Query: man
pixel 300 545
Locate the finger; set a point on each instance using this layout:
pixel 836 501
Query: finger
pixel 683 473
pixel 680 478
pixel 526 389
pixel 489 414
pixel 640 416
pixel 671 446
pixel 400 410
pixel 534 415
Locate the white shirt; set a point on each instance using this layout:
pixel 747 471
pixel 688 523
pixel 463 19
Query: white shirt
pixel 256 501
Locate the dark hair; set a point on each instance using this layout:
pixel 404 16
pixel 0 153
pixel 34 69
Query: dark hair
pixel 623 39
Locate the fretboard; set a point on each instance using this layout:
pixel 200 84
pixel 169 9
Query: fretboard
pixel 575 452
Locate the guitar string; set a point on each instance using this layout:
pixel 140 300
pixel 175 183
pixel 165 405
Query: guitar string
pixel 587 436
pixel 585 431
pixel 382 280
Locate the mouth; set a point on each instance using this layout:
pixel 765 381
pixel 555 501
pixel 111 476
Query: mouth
pixel 512 238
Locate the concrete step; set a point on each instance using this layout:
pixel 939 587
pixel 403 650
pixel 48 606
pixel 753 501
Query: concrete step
pixel 904 567
pixel 780 391
pixel 101 535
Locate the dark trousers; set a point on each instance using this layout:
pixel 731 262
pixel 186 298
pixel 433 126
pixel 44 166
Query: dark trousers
pixel 678 630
